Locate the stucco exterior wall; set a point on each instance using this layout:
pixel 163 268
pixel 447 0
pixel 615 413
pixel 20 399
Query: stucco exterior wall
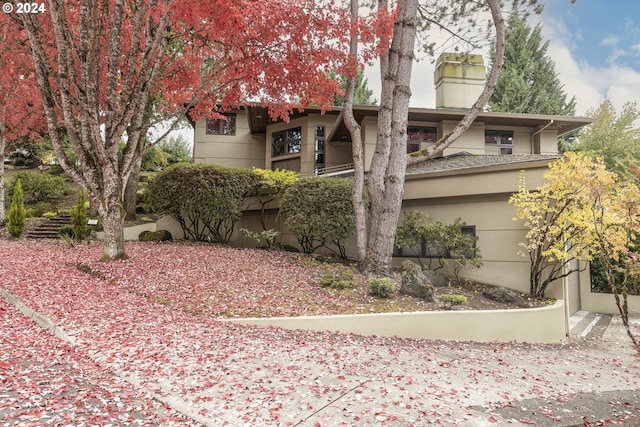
pixel 479 199
pixel 472 141
pixel 241 150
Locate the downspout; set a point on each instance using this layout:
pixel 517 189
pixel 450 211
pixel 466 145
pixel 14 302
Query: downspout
pixel 538 131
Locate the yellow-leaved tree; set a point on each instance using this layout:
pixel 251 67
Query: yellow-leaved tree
pixel 581 212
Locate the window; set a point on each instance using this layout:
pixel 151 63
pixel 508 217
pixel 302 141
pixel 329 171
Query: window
pixel 318 159
pixel 421 250
pixel 226 126
pixel 286 142
pixel 501 139
pixel 416 135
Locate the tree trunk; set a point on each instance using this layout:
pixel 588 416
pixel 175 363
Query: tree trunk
pixel 357 145
pixel 3 214
pixel 111 213
pixel 388 166
pixel 131 191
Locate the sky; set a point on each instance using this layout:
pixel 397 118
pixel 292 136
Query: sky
pixel 595 45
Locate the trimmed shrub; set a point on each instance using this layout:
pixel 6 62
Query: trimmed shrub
pixel 206 200
pixel 39 187
pixel 319 211
pixel 271 185
pixel 381 287
pixel 17 215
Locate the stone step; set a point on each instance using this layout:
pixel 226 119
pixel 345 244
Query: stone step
pixel 50 228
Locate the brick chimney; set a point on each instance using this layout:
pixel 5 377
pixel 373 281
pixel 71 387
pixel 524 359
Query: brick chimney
pixel 459 80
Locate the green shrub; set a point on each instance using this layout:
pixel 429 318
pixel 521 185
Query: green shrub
pixel 154 159
pixel 381 287
pixel 67 231
pixel 17 215
pixel 206 200
pixel 319 211
pixel 337 276
pixel 269 236
pixel 426 238
pixel 271 185
pixel 79 218
pixel 37 210
pixel 50 214
pixel 39 187
pixel 449 300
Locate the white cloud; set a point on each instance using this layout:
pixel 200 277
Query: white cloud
pixel 589 83
pixel 610 40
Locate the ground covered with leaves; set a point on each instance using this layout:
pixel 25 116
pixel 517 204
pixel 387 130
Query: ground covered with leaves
pixel 135 327
pixel 230 282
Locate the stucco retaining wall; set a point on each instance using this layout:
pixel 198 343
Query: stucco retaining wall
pixel 131 233
pixel 606 303
pixel 535 325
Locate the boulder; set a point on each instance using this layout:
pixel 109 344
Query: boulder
pixel 415 282
pixel 155 236
pixel 505 295
pixel 436 279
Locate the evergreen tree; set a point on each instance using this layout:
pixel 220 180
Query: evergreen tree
pixel 528 82
pixel 362 95
pixel 17 215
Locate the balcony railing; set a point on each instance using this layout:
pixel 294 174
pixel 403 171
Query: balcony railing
pixel 334 170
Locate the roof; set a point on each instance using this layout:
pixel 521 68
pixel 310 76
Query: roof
pixel 463 160
pixel 259 119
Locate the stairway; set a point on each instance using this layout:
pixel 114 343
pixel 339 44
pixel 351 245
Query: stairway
pixel 49 228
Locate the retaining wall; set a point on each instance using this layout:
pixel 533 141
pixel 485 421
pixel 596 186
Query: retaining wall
pixel 535 325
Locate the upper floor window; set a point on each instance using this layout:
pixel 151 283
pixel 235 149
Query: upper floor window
pixel 416 135
pixel 286 142
pixel 502 139
pixel 318 162
pixel 226 126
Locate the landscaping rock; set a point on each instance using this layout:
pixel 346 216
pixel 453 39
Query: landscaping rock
pixel 436 279
pixel 415 282
pixel 505 295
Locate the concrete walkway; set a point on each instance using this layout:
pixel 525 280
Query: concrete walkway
pixel 220 374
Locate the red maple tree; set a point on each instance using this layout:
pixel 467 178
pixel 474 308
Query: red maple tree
pixel 99 63
pixel 21 114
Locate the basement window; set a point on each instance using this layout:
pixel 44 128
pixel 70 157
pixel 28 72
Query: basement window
pixel 421 250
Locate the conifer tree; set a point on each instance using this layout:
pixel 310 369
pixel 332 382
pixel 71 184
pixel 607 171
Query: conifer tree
pixel 17 215
pixel 528 82
pixel 362 94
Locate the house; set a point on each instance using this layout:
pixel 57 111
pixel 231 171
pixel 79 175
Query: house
pixel 473 180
